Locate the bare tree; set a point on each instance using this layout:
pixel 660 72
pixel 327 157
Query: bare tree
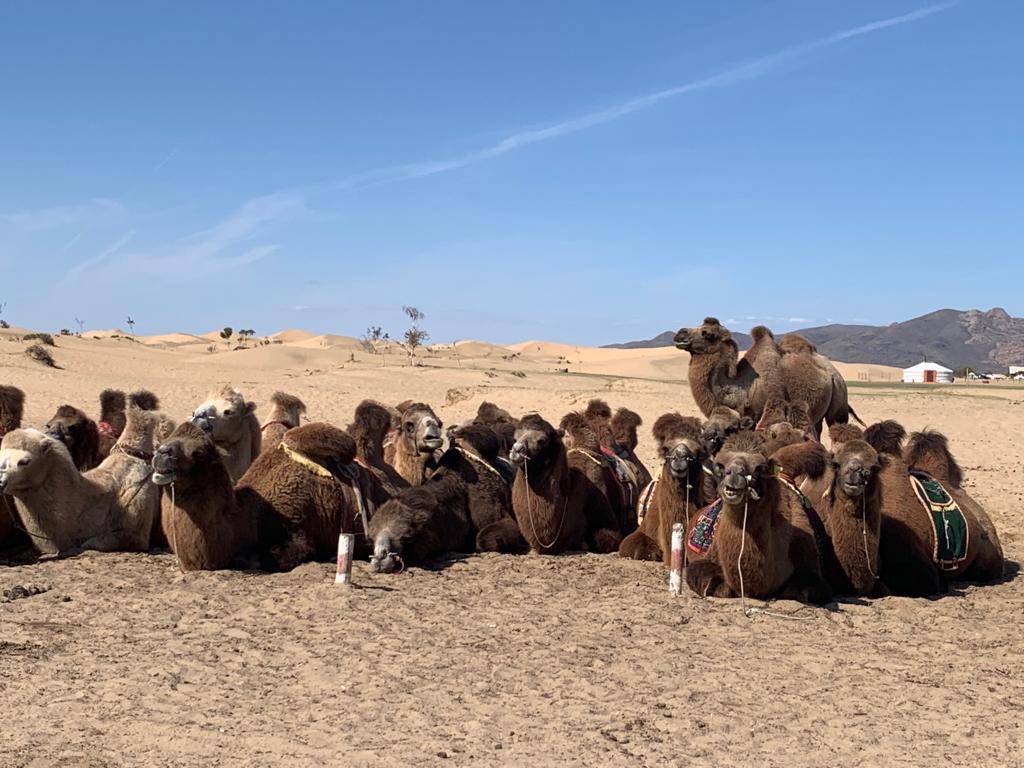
pixel 414 335
pixel 131 325
pixel 370 339
pixel 81 326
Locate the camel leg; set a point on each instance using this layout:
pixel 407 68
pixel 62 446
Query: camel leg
pixel 807 587
pixel 639 546
pixel 906 568
pixel 987 565
pixel 706 579
pixel 603 535
pixel 500 536
pixel 295 551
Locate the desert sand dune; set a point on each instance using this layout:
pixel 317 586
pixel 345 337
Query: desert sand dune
pixel 577 660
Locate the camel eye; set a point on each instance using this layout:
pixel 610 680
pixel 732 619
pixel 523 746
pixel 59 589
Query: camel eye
pixel 718 470
pixel 708 335
pixel 229 412
pixel 24 462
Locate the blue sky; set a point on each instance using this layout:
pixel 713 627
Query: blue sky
pixel 582 171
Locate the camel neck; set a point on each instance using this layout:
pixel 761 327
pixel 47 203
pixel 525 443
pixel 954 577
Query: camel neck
pixel 705 371
pixel 371 449
pixel 546 478
pixel 42 507
pixel 854 525
pixel 675 489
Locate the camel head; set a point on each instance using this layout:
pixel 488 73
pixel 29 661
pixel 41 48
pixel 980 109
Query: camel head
pixel 707 339
pixel 722 424
pixel 72 427
pixel 855 467
pixel 12 407
pixel 144 429
pixel 25 459
pixel 784 433
pixel 223 416
pixel 536 441
pixel 420 429
pixel 742 469
pixel 679 445
pixel 286 408
pixel 186 455
pixel 625 424
pixel 578 431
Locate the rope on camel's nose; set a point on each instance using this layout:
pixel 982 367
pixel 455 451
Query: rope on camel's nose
pixel 529 511
pixel 864 531
pixel 174 543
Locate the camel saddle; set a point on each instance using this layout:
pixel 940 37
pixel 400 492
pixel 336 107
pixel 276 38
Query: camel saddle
pixel 347 474
pixel 624 476
pixel 952 533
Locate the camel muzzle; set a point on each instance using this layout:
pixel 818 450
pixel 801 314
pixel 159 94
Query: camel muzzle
pixel 855 481
pixel 517 455
pixel 679 464
pixel 682 340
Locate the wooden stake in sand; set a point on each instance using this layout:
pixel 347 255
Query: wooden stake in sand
pixel 675 574
pixel 346 543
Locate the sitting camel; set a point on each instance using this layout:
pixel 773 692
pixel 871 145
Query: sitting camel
pixel 232 425
pixel 790 370
pixel 289 506
pixel 676 495
pixel 560 498
pixel 623 456
pixel 12 408
pixel 369 428
pixel 412 453
pixel 109 508
pixel 910 549
pixel 286 412
pixel 763 520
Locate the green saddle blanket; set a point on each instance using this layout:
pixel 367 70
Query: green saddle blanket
pixel 952 534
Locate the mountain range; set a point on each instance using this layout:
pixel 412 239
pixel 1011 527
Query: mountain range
pixel 983 341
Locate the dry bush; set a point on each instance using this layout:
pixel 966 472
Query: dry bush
pixel 41 354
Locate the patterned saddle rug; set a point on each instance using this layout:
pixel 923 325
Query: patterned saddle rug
pixel 646 496
pixel 703 533
pixel 952 533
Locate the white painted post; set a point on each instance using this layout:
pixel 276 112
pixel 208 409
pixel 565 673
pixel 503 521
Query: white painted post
pixel 346 543
pixel 675 574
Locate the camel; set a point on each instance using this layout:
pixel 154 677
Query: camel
pixel 289 506
pixel 232 425
pixel 764 521
pixel 370 427
pixel 473 456
pixel 114 415
pixel 79 433
pixel 848 496
pixel 109 508
pixel 12 408
pixel 678 493
pixel 412 453
pixel 501 421
pixel 560 498
pixel 908 545
pixel 420 523
pixel 286 412
pixel 722 422
pixel 790 371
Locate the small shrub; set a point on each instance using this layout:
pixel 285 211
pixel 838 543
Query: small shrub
pixel 212 348
pixel 65 331
pixel 43 338
pixel 519 374
pixel 4 324
pixel 41 354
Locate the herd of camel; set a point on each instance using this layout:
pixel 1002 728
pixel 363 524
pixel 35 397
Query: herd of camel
pixel 767 510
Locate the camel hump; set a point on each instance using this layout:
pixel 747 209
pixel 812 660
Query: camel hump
pixel 711 321
pixel 929 452
pixel 759 332
pixel 144 399
pixel 844 433
pixel 323 443
pixel 674 426
pixel 288 402
pixel 795 344
pixel 886 437
pixel 12 408
pixel 598 409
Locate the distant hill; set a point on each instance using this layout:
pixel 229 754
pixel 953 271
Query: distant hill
pixel 984 341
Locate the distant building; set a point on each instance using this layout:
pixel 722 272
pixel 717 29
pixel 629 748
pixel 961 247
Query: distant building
pixel 927 373
pixel 1015 369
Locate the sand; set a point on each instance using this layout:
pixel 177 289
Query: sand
pixel 484 660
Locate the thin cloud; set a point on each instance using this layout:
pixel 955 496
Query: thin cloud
pixel 102 256
pixel 99 208
pixel 728 77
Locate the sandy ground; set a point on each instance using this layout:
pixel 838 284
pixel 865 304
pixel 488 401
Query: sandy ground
pixel 487 660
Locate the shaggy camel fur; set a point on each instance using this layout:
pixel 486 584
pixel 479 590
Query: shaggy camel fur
pixel 473 456
pixel 615 477
pixel 420 523
pixel 412 453
pixel 12 408
pixel 232 425
pixel 110 508
pixel 369 428
pixel 849 499
pixel 78 433
pixel 286 412
pixel 766 521
pixel 678 494
pixel 560 498
pixel 722 423
pixel 719 377
pixel 908 536
pixel 288 508
pixel 501 421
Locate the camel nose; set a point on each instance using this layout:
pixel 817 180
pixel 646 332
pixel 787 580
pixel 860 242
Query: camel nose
pixel 735 480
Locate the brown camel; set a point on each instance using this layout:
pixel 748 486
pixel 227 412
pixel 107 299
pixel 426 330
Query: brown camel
pixel 909 543
pixel 763 521
pixel 289 506
pixel 286 412
pixel 678 493
pixel 79 433
pixel 848 496
pixel 232 424
pixel 501 421
pixel 560 498
pixel 412 453
pixel 422 522
pixel 722 423
pixel 473 456
pixel 12 408
pixel 719 377
pixel 370 427
pixel 109 508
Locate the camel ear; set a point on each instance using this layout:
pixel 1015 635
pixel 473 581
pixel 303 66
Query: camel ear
pixel 560 432
pixel 711 321
pixel 250 407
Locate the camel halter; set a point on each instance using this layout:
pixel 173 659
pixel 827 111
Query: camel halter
pixel 174 544
pixel 864 531
pixel 473 458
pixel 529 511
